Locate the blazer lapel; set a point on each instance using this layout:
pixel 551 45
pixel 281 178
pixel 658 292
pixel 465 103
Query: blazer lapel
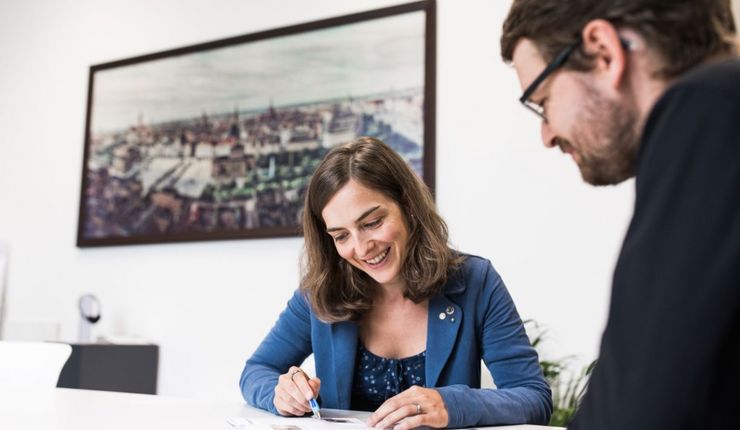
pixel 344 344
pixel 444 321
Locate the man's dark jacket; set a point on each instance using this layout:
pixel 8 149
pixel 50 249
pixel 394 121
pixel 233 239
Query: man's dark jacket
pixel 670 354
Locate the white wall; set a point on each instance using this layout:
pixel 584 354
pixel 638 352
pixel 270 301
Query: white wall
pixel 553 238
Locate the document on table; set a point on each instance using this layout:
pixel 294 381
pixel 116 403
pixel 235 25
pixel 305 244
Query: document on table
pixel 283 423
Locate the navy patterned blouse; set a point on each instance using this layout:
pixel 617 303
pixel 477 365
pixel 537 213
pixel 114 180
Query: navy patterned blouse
pixel 377 379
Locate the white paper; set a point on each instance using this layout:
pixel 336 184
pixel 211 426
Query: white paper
pixel 292 423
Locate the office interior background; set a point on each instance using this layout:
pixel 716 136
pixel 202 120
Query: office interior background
pixel 207 305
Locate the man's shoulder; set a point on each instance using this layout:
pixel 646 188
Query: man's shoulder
pixel 723 76
pixel 693 128
pixel 709 93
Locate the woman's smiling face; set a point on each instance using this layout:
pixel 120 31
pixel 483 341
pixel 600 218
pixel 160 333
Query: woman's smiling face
pixel 369 231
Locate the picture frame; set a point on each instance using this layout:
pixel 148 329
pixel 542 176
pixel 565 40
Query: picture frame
pixel 218 140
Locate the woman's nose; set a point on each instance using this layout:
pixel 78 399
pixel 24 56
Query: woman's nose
pixel 363 246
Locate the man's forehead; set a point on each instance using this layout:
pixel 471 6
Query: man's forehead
pixel 527 61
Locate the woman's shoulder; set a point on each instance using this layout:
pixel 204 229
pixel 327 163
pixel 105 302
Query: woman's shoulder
pixel 472 264
pixel 300 303
pixel 472 271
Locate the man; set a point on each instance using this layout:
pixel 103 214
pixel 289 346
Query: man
pixel 651 88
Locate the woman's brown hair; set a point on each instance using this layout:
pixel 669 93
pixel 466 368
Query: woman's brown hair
pixel 338 291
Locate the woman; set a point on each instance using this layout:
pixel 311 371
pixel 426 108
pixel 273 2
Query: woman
pixel 398 322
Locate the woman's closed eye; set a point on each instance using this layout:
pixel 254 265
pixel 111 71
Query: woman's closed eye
pixel 339 238
pixel 373 224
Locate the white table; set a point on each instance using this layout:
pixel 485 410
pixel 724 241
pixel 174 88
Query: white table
pixel 72 409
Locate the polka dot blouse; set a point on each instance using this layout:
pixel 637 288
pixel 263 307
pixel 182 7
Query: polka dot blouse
pixel 377 378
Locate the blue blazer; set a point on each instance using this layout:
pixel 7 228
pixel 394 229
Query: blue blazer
pixel 480 323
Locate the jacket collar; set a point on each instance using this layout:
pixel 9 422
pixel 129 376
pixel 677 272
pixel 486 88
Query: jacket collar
pixel 455 282
pixel 344 339
pixel 443 324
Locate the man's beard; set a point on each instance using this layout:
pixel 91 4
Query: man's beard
pixel 607 140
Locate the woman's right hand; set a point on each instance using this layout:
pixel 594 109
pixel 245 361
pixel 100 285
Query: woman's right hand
pixel 293 391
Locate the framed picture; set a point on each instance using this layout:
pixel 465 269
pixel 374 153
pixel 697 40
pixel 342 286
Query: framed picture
pixel 219 140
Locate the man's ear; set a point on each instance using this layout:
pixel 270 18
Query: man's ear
pixel 601 40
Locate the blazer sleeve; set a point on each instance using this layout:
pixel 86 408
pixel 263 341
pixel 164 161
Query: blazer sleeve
pixel 522 395
pixel 287 344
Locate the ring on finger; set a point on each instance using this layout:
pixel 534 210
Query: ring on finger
pixel 418 409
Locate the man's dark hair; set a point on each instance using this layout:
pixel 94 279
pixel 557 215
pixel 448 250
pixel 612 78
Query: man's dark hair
pixel 684 33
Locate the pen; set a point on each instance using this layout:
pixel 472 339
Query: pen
pixel 315 408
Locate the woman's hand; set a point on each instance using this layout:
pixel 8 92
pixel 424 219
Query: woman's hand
pixel 414 407
pixel 293 391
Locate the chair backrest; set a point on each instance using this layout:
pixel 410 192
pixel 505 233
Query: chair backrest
pixel 32 364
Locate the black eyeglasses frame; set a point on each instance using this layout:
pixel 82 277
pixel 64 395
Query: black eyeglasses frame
pixel 555 64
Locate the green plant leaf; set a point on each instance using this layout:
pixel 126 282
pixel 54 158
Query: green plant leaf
pixel 568 386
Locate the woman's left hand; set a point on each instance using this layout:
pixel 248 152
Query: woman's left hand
pixel 414 407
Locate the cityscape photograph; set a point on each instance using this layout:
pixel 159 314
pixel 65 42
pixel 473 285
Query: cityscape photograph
pixel 225 140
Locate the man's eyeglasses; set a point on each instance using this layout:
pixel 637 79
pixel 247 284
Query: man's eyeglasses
pixel 555 64
pixel 558 62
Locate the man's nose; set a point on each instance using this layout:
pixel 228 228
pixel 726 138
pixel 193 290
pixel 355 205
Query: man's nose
pixel 549 137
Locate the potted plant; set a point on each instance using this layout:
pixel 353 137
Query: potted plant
pixel 568 386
